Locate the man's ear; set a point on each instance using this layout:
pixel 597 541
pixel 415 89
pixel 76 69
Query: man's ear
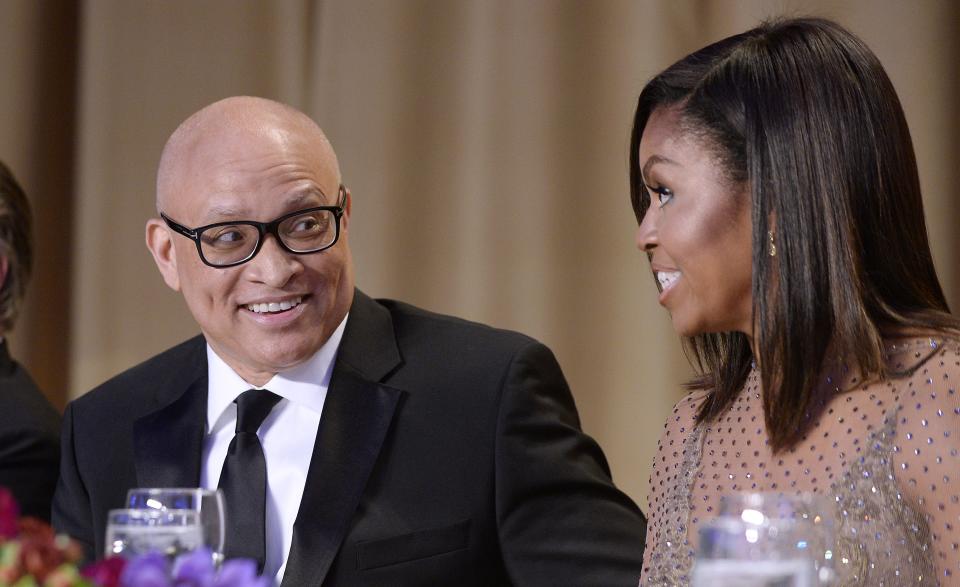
pixel 347 203
pixel 161 247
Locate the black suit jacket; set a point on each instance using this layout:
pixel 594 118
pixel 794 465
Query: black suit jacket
pixel 448 453
pixel 29 439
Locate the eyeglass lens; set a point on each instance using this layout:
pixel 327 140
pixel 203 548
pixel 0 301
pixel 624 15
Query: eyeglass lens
pixel 304 233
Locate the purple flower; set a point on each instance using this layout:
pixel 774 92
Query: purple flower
pixel 239 573
pixel 148 570
pixel 194 569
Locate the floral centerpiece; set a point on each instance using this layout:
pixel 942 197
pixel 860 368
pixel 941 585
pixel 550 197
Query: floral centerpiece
pixel 32 555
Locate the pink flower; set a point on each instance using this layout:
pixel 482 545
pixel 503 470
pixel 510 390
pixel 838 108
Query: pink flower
pixel 105 573
pixel 30 551
pixel 9 515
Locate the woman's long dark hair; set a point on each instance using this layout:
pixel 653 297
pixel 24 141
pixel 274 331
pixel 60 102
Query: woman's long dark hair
pixel 16 244
pixel 802 115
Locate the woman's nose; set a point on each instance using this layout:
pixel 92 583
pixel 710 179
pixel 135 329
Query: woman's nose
pixel 646 237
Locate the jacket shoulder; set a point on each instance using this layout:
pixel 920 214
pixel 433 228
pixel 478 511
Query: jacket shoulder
pixel 144 379
pixel 411 321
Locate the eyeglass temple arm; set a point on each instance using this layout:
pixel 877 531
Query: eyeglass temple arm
pixel 192 234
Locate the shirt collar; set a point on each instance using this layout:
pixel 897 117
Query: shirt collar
pixel 305 384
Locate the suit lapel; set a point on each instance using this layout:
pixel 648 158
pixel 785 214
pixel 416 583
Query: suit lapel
pixel 168 442
pixel 356 418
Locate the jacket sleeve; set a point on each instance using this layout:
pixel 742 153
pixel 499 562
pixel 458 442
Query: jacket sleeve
pixel 560 518
pixel 28 468
pixel 71 502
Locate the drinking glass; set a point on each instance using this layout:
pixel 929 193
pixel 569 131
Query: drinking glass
pixel 133 532
pixel 767 539
pixel 207 503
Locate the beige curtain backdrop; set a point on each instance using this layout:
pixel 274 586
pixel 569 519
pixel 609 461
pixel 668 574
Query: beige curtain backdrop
pixel 485 143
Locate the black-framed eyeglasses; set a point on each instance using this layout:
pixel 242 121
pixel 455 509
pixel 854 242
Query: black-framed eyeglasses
pixel 226 244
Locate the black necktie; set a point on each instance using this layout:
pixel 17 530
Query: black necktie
pixel 244 479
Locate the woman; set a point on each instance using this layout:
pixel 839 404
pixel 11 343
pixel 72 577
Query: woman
pixel 774 180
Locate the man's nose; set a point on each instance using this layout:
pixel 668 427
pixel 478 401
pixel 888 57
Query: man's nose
pixel 273 265
pixel 646 237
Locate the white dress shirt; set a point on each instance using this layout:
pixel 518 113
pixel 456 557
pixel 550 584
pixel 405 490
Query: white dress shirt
pixel 287 435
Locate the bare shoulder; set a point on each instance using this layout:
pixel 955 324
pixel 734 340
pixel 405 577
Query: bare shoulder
pixel 930 398
pixel 667 469
pixel 931 384
pixel 679 425
pixel 683 417
pixel 926 451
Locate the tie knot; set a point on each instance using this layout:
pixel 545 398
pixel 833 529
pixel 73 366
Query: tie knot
pixel 253 406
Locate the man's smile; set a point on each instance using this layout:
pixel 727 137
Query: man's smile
pixel 275 306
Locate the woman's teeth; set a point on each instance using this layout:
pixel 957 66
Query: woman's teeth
pixel 667 278
pixel 274 306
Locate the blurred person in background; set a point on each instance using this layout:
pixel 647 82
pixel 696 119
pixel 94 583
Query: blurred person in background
pixel 29 425
pixel 773 178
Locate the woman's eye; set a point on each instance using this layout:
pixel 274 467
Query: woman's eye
pixel 664 195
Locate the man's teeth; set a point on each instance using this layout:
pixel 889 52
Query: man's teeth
pixel 667 278
pixel 274 306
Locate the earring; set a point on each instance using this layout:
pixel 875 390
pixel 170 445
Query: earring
pixel 773 246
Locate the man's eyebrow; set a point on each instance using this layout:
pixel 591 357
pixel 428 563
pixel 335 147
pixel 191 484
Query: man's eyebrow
pixel 653 160
pixel 224 211
pixel 301 197
pixel 308 193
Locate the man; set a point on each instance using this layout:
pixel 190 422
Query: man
pixel 29 425
pixel 394 446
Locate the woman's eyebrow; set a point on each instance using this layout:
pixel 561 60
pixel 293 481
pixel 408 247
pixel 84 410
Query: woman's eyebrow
pixel 653 160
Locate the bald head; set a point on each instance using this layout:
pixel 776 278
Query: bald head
pixel 228 130
pixel 241 161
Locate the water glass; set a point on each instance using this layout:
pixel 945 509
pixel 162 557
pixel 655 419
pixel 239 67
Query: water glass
pixel 134 532
pixel 207 503
pixel 734 553
pixel 813 514
pixel 768 539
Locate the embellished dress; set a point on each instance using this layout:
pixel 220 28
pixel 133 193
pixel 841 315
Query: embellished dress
pixel 886 453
